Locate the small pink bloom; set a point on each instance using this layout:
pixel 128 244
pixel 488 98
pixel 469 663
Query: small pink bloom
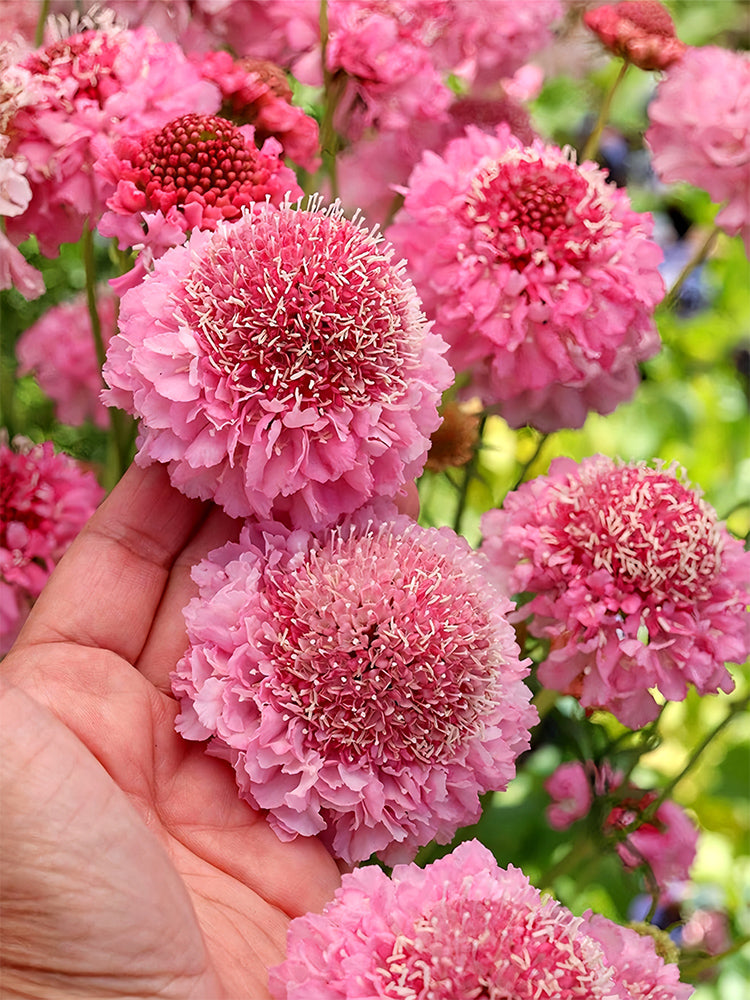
pixel 634 581
pixel 193 173
pixel 60 352
pixel 461 928
pixel 16 272
pixel 280 365
pixel 700 130
pixel 570 791
pixel 641 31
pixel 45 499
pixel 536 271
pixel 92 88
pixel 363 681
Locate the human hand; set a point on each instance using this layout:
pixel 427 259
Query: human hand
pixel 128 865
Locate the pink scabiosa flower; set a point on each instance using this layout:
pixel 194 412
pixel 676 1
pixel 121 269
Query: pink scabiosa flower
pixel 60 351
pixel 640 31
pixel 45 499
pixel 463 927
pixel 256 92
pixel 536 271
pixel 569 788
pixel 93 87
pixel 363 681
pixel 190 174
pixel 633 580
pixel 700 130
pixel 280 365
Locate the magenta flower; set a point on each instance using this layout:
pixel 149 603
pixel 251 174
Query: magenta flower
pixel 280 365
pixel 463 927
pixel 536 271
pixel 256 92
pixel 634 582
pixel 60 352
pixel 640 31
pixel 192 173
pixel 700 130
pixel 363 681
pixel 92 88
pixel 45 500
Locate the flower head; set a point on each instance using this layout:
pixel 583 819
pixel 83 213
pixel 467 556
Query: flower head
pixel 363 681
pixel 193 172
pixel 463 927
pixel 700 130
pixel 634 581
pixel 60 352
pixel 280 365
pixel 45 499
pixel 91 88
pixel 536 271
pixel 641 31
pixel 256 92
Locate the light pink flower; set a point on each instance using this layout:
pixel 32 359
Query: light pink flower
pixel 569 788
pixel 460 928
pixel 640 31
pixel 536 271
pixel 256 92
pixel 634 582
pixel 60 352
pixel 16 272
pixel 91 88
pixel 363 681
pixel 192 173
pixel 45 499
pixel 280 365
pixel 700 130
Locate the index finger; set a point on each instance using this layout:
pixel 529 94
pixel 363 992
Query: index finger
pixel 107 588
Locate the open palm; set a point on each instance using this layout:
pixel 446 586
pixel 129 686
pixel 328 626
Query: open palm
pixel 129 866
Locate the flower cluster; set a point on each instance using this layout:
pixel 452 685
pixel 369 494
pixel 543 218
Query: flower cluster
pixel 373 688
pixel 45 500
pixel 633 580
pixel 665 843
pixel 464 927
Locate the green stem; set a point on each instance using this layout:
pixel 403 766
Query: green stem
pixel 527 465
pixel 735 709
pixel 691 968
pixel 696 260
pixel 592 143
pixel 118 443
pixel 469 470
pixel 333 85
pixel 39 33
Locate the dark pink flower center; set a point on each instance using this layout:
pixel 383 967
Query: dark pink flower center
pixel 381 647
pixel 525 211
pixel 202 155
pixel 305 309
pixel 653 534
